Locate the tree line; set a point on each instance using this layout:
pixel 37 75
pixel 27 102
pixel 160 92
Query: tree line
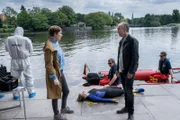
pixel 39 19
pixel 151 20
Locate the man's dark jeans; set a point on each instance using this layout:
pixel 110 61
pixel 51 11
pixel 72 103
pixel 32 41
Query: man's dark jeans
pixel 128 92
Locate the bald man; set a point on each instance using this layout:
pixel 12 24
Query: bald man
pixel 127 64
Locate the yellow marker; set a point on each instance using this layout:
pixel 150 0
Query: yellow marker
pixel 91 103
pixel 19 80
pixel 134 94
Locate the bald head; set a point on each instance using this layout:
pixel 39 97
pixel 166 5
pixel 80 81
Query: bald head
pixel 123 29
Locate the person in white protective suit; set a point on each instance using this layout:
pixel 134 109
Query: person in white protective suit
pixel 20 48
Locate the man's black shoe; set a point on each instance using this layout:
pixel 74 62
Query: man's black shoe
pixel 130 117
pixel 123 110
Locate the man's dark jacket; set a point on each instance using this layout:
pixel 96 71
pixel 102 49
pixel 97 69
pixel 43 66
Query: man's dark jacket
pixel 130 55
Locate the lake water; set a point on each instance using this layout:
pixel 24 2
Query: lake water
pixel 96 47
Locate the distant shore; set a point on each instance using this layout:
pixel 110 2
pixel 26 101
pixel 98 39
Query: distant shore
pixel 6 31
pixel 172 25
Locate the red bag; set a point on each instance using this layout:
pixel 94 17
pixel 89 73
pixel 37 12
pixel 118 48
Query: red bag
pixel 104 81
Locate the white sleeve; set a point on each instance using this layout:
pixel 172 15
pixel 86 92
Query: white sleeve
pixel 30 45
pixel 6 44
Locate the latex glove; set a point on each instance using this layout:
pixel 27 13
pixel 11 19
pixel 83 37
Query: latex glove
pixel 56 82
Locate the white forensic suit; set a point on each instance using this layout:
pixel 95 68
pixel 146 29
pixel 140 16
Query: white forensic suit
pixel 20 48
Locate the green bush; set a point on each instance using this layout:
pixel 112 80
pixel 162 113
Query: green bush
pixel 11 26
pixel 5 26
pixel 1 30
pixel 7 30
pixel 1 23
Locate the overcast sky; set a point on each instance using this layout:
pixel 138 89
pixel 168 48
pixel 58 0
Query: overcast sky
pixel 126 7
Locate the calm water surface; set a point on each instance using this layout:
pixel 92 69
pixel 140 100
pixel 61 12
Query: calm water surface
pixel 96 47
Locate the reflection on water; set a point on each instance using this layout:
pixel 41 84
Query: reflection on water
pixel 174 34
pixel 96 47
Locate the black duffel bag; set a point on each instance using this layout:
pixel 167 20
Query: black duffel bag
pixel 7 81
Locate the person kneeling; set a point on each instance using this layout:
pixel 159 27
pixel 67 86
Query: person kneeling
pixel 112 78
pixel 164 69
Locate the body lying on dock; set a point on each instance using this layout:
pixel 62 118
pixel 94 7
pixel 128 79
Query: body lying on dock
pixel 106 94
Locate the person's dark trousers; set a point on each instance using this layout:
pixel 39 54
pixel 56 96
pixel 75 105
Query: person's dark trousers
pixel 55 106
pixel 128 92
pixel 112 92
pixel 65 91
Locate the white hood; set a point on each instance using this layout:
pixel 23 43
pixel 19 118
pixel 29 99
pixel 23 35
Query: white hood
pixel 19 31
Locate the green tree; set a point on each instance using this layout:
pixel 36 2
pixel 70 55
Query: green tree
pixel 69 12
pixel 49 15
pixel 10 15
pixel 129 21
pixel 117 18
pixel 24 20
pixel 151 21
pixel 109 13
pixel 12 22
pixel 57 18
pixel 98 19
pixel 52 19
pixel 1 23
pixel 45 11
pixel 39 22
pixel 155 24
pixel 139 21
pixel 23 8
pixel 147 20
pixel 176 16
pixel 108 19
pixel 62 19
pixel 166 19
pixel 80 17
pixel 35 10
pixel 9 12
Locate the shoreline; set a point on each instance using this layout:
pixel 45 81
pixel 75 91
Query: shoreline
pixel 172 25
pixel 11 30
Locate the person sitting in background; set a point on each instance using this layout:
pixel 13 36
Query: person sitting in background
pixel 112 78
pixel 101 95
pixel 164 68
